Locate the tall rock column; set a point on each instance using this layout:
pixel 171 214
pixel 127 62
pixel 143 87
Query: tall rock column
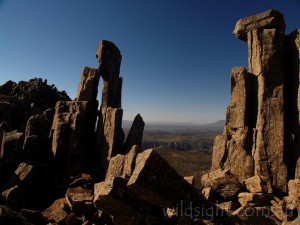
pixel 73 128
pixel 265 37
pixel 110 135
pixel 232 149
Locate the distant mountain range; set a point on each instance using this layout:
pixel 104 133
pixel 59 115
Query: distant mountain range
pixel 216 126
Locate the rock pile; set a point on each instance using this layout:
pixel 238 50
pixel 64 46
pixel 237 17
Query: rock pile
pixel 72 164
pixel 258 152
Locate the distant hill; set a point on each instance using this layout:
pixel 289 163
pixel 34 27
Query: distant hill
pixel 216 126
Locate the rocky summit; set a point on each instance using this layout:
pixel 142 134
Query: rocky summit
pixel 68 162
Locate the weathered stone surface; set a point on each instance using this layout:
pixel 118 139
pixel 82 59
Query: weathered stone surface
pixel 257 184
pixel 130 161
pixel 266 20
pixel 219 150
pixel 135 135
pixel 113 135
pixel 266 52
pixel 88 86
pixel 151 173
pixel 80 200
pixel 13 198
pixel 255 199
pixel 73 132
pixel 223 183
pixel 123 165
pixel 8 216
pixel 236 116
pixel 57 212
pixel 281 212
pixel 116 166
pixel 232 149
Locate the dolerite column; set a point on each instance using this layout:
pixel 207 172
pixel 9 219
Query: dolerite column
pixel 110 135
pixel 266 51
pixel 232 149
pixel 265 36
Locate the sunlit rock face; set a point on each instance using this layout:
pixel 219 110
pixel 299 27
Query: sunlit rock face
pixel 261 134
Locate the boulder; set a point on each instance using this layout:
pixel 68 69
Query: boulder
pixel 223 183
pixel 123 165
pixel 154 180
pixel 257 184
pixel 266 20
pixel 255 199
pixel 116 166
pixel 57 212
pixel 292 200
pixel 80 200
pixel 281 212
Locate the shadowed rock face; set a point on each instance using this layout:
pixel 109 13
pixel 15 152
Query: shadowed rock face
pixel 19 101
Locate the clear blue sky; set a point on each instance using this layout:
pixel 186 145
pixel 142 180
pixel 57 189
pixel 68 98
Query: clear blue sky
pixel 177 55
